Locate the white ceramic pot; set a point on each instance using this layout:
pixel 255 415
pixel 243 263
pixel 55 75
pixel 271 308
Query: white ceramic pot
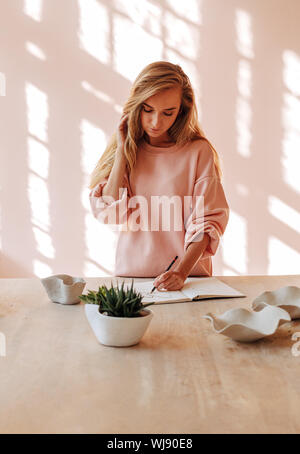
pixel 117 331
pixel 64 289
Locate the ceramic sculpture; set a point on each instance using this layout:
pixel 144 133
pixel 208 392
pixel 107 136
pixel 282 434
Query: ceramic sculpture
pixel 288 298
pixel 244 326
pixel 64 289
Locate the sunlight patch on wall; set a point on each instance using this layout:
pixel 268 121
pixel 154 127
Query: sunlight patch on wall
pixel 243 24
pixel 44 243
pixel 243 109
pixel 100 243
pixel 142 12
pixel 2 84
pixel 94 29
pixel 234 243
pixel 282 258
pixel 244 45
pixel 291 72
pixel 37 112
pixel 99 239
pixel 189 10
pixel 181 36
pixel 97 93
pixel 139 48
pixel 38 167
pixel 242 190
pixel 101 95
pixel 38 196
pixel 34 50
pixel 93 143
pixel 284 213
pixel 229 272
pixel 183 47
pixel 38 163
pixel 33 9
pixel 290 120
pixel 41 270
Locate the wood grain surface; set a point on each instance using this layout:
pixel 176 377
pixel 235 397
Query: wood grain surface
pixel 181 378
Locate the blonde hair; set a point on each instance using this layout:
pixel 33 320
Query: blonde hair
pixel 154 78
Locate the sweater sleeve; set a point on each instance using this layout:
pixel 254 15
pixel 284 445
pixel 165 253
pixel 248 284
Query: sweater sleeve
pixel 209 214
pixel 106 209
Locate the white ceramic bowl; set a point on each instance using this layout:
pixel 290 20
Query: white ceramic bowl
pixel 64 289
pixel 245 326
pixel 288 298
pixel 117 331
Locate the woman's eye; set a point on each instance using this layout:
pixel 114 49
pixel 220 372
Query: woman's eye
pixel 148 111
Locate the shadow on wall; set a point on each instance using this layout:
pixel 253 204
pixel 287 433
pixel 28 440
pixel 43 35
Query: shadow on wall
pixel 66 82
pixel 10 268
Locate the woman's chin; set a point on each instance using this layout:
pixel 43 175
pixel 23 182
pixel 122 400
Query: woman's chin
pixel 154 133
pixel 157 135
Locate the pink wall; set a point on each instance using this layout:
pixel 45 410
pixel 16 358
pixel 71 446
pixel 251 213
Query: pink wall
pixel 66 70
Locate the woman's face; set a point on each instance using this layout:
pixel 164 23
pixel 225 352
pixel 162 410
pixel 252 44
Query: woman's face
pixel 159 113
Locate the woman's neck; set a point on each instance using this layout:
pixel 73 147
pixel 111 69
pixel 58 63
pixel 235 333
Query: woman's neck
pixel 164 143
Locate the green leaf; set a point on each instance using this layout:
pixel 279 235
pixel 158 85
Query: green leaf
pixel 117 301
pixel 148 304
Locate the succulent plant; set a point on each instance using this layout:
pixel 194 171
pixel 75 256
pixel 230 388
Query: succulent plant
pixel 115 301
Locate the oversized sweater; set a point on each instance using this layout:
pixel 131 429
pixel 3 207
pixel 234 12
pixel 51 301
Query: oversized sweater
pixel 184 177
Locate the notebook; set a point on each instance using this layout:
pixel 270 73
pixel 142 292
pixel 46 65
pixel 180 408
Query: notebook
pixel 194 289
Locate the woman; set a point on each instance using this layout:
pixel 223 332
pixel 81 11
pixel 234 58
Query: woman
pixel 159 153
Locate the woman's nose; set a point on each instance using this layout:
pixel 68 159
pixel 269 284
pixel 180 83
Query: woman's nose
pixel 155 121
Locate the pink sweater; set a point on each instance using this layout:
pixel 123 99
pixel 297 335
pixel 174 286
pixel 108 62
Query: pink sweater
pixel 175 171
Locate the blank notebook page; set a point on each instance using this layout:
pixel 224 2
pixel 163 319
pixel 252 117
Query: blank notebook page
pixel 208 287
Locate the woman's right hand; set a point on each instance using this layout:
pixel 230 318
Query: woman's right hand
pixel 122 132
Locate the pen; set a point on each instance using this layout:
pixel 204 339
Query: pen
pixel 167 270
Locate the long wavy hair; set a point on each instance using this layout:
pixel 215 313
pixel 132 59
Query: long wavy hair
pixel 154 78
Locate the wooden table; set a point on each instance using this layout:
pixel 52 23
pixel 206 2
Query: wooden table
pixel 181 378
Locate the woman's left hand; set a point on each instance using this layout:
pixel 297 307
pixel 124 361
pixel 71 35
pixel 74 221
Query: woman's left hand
pixel 170 280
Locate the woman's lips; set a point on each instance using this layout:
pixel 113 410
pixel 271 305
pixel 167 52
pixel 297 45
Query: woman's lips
pixel 154 130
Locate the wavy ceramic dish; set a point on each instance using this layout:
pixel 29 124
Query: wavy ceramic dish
pixel 244 326
pixel 64 289
pixel 288 298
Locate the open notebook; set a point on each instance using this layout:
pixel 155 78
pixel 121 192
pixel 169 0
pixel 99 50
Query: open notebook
pixel 194 289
